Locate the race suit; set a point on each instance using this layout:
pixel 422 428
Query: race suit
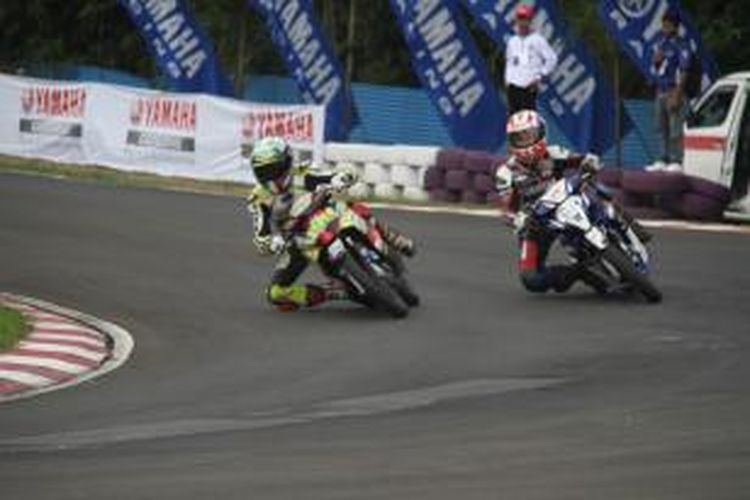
pixel 527 185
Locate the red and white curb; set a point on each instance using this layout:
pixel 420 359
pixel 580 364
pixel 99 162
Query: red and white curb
pixel 65 348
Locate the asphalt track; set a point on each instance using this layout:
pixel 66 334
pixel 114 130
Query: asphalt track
pixel 484 392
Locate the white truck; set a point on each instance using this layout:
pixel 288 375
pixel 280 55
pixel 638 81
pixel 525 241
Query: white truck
pixel 717 138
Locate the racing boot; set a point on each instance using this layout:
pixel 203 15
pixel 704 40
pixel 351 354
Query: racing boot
pixel 562 278
pixel 397 240
pixel 291 298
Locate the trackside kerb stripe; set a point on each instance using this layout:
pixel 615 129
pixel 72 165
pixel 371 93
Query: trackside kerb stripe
pixel 43 371
pixel 71 342
pixel 65 347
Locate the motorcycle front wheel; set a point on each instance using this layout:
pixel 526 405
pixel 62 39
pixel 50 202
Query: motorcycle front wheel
pixel 375 292
pixel 618 259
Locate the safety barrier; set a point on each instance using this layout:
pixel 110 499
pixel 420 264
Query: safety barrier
pixel 200 136
pixel 666 195
pixel 391 172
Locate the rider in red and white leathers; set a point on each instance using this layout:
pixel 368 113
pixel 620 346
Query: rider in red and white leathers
pixel 531 167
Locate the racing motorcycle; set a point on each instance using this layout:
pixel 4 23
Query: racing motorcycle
pixel 591 233
pixel 350 248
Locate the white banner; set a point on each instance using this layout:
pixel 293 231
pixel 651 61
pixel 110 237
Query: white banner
pixel 189 135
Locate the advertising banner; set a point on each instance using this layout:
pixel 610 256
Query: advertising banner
pixel 181 48
pixel 576 95
pixel 635 25
pixel 180 134
pixel 310 59
pixel 452 72
pixel 43 117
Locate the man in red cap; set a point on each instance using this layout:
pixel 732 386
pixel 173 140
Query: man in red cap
pixel 528 59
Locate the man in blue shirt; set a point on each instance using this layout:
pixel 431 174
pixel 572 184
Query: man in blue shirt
pixel 670 60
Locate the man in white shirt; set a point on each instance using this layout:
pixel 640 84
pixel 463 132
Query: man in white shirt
pixel 528 59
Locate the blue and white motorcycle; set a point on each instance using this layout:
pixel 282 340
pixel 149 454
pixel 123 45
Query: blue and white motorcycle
pixel 592 234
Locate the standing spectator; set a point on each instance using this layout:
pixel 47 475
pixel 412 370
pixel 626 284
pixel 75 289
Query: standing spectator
pixel 670 61
pixel 528 59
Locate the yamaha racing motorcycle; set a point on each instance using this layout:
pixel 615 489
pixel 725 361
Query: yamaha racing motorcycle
pixel 349 248
pixel 593 234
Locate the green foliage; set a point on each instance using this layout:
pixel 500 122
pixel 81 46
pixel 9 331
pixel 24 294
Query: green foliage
pixel 13 327
pixel 47 33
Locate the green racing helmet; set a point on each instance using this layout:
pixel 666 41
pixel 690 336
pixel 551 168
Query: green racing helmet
pixel 271 161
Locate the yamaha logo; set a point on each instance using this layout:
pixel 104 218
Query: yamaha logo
pixel 636 8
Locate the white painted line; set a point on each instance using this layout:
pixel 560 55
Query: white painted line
pixel 712 227
pixel 56 364
pixel 67 337
pixel 67 349
pixel 24 377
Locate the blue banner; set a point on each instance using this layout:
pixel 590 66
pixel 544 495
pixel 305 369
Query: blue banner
pixel 310 59
pixel 635 24
pixel 452 71
pixel 181 48
pixel 576 94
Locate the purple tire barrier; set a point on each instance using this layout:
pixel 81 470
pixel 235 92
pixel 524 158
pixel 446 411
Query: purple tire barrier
pixel 434 178
pixel 483 184
pixel 708 189
pixel 473 197
pixel 639 181
pixel 457 180
pixel 628 199
pixel 451 159
pixel 649 213
pixel 445 195
pixel 480 162
pixel 610 176
pixel 696 206
pixel 496 200
pixel 670 202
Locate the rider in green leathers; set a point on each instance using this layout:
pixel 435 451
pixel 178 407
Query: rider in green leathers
pixel 269 203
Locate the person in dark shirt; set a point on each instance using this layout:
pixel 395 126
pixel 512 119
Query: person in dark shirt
pixel 670 60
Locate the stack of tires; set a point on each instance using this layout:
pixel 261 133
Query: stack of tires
pixel 665 195
pixel 462 176
pixel 386 172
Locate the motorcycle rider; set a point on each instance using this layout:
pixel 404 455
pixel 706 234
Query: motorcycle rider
pixel 531 167
pixel 269 203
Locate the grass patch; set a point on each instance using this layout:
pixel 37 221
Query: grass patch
pixel 13 327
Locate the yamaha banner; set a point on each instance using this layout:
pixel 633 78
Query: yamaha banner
pixel 576 94
pixel 182 50
pixel 635 25
pixel 310 60
pixel 452 71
